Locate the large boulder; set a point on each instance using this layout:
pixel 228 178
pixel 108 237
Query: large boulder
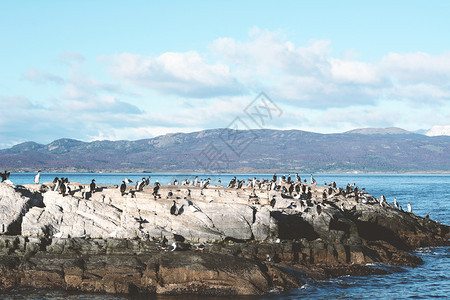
pixel 71 217
pixel 15 201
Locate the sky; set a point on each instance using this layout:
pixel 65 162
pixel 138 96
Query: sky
pixel 129 70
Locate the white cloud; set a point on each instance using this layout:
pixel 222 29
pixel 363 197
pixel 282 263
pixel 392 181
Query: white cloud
pixel 417 67
pixel 81 86
pixel 11 103
pixel 37 76
pixel 185 74
pixel 74 119
pixel 268 53
pixel 420 91
pixel 310 76
pixel 353 72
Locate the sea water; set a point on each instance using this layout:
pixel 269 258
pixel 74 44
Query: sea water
pixel 427 193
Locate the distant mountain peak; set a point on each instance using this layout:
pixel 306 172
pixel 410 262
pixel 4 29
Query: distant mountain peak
pixel 362 150
pixel 26 146
pixel 388 130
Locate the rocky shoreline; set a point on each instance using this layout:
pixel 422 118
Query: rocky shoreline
pixel 206 241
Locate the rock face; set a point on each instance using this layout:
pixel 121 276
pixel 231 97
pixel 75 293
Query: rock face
pixel 228 241
pixel 201 215
pixel 14 203
pixel 133 266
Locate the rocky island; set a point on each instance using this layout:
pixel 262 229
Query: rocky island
pixel 244 239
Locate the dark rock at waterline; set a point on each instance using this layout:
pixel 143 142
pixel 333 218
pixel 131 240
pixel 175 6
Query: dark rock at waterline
pixel 157 271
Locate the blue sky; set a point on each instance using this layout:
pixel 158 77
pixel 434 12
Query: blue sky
pixel 93 70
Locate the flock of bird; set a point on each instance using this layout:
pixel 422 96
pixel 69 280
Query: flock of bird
pixel 290 187
pixel 296 189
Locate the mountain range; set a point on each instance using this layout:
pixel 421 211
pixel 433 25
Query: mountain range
pixel 263 150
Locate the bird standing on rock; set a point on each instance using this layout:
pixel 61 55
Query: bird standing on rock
pixel 57 182
pixel 92 186
pixel 4 175
pixel 319 209
pixel 174 246
pixel 173 208
pixel 409 207
pixel 62 187
pixel 137 185
pixel 37 177
pixel 156 189
pixel 123 188
pixel 273 202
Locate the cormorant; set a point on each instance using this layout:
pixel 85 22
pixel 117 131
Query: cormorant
pixel 123 188
pixel 92 186
pixel 173 208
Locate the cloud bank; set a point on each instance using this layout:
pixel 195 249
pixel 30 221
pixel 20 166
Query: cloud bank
pixel 133 96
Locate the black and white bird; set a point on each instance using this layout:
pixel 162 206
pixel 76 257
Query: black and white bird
pixel 409 207
pixel 273 202
pixel 174 246
pixel 140 185
pixel 123 188
pixel 319 209
pixel 206 183
pixel 57 183
pixel 396 203
pixel 92 186
pixel 62 187
pixel 37 177
pixel 68 189
pixel 128 180
pixel 156 189
pixel 173 208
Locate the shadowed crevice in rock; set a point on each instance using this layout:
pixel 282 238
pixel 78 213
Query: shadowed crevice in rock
pixel 374 232
pixel 339 225
pixel 292 227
